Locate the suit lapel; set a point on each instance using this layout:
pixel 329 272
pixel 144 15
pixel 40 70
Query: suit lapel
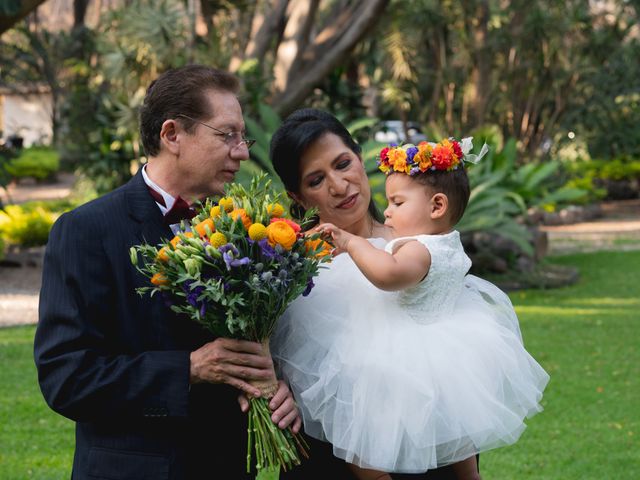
pixel 143 209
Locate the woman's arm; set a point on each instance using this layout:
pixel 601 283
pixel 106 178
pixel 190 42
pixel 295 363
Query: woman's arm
pixel 405 268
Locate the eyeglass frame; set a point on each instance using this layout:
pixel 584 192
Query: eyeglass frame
pixel 227 135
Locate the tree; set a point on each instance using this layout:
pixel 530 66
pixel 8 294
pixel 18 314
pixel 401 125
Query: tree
pixel 12 11
pixel 299 43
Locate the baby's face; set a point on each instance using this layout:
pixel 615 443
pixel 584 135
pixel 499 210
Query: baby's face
pixel 410 207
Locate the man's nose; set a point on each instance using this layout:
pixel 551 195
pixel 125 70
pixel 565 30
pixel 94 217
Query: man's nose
pixel 239 152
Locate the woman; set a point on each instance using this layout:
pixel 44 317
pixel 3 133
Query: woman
pixel 320 165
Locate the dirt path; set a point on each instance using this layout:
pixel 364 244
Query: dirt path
pixel 619 229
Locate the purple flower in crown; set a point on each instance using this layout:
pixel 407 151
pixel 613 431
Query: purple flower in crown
pixel 411 152
pixel 415 170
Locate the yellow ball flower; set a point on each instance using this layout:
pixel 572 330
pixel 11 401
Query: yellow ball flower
pixel 257 232
pixel 280 233
pixel 215 212
pixel 217 240
pixel 226 203
pixel 275 210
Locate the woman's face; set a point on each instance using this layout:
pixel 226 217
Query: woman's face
pixel 333 179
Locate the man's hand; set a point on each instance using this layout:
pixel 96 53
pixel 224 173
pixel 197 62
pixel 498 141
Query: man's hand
pixel 284 408
pixel 234 362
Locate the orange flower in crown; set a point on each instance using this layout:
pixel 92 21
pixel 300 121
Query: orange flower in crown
pixel 413 160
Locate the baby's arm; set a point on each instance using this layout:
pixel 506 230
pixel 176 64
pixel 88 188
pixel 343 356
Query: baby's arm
pixel 405 268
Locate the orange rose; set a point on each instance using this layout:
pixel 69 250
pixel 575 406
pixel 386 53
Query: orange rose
pixel 201 228
pixel 323 247
pixel 159 279
pixel 242 215
pixel 175 240
pixel 281 233
pixel 162 255
pixel 291 223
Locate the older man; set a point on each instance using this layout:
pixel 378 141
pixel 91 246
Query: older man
pixel 153 395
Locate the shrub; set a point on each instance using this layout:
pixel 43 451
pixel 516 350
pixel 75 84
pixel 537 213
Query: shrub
pixel 35 162
pixel 1 248
pixel 25 227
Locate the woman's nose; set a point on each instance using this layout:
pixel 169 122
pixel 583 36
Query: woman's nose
pixel 387 212
pixel 338 185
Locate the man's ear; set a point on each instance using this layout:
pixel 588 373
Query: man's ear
pixel 169 136
pixel 439 205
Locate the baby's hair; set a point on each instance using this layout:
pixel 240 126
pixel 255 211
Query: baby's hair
pixel 454 184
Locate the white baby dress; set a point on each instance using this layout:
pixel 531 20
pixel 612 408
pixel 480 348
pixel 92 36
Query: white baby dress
pixel 412 380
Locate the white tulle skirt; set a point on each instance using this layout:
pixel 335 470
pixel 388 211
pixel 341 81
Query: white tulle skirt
pixel 396 395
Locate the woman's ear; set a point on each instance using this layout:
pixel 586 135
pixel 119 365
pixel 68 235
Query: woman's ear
pixel 169 136
pixel 439 205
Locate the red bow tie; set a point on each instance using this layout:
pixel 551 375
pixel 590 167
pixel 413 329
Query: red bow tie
pixel 180 210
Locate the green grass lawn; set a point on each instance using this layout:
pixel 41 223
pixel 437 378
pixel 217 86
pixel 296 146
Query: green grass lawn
pixel 587 336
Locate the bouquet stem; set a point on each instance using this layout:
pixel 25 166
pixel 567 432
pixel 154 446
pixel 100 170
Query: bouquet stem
pixel 273 447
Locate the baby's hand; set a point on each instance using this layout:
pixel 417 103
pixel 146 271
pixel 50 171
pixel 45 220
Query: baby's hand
pixel 339 237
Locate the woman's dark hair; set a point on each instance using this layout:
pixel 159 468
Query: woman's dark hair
pixel 297 133
pixel 454 184
pixel 180 91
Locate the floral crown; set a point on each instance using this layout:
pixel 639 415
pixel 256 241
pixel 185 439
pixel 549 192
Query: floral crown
pixel 415 159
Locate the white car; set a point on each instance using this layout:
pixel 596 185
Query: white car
pixel 391 131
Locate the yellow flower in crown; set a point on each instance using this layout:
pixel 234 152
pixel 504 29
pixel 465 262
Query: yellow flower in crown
pixel 398 159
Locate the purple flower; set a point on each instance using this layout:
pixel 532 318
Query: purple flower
pixel 267 250
pixel 411 152
pixel 310 285
pixel 229 253
pixel 192 296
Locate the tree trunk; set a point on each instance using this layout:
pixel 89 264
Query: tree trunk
pixel 482 68
pixel 26 7
pixel 79 12
pixel 329 47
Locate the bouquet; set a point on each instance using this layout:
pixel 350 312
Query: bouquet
pixel 235 268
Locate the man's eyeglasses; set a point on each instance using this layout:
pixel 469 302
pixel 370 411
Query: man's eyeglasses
pixel 232 139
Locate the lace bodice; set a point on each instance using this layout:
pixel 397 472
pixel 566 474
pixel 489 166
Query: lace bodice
pixel 435 296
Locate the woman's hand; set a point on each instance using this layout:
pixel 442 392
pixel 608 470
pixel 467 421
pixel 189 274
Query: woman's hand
pixel 284 408
pixel 340 238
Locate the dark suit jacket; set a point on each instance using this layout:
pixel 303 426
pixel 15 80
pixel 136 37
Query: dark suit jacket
pixel 118 364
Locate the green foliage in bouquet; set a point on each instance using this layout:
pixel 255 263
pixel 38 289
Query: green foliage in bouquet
pixel 234 269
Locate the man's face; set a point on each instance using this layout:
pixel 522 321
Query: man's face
pixel 207 159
